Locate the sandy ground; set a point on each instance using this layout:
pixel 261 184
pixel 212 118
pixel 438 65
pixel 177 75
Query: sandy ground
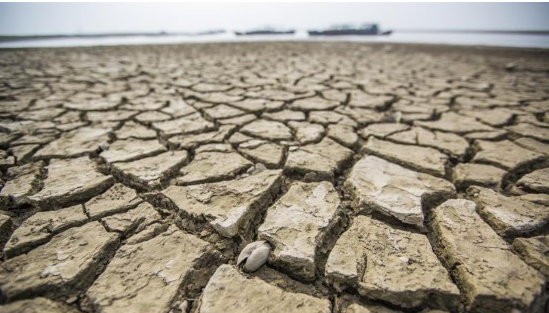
pixel 366 177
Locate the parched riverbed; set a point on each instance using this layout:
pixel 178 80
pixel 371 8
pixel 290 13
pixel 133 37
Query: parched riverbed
pixel 385 178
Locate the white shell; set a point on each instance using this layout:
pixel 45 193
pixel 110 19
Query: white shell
pixel 247 251
pixel 397 116
pixel 394 117
pixel 255 254
pixel 104 146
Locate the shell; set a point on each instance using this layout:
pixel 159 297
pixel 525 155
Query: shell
pixel 255 255
pixel 104 145
pixel 245 253
pixel 394 117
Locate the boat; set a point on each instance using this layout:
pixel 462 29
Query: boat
pixel 348 30
pixel 266 31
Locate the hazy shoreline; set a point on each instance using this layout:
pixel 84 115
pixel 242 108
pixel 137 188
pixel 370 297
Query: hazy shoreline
pixel 9 38
pixel 448 39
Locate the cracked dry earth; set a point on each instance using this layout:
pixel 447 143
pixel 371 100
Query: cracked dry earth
pixel 386 178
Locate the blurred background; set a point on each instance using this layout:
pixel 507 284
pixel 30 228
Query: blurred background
pixel 85 24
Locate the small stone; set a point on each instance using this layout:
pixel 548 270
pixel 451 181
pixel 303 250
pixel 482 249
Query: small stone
pixel 131 149
pixel 467 174
pixel 142 173
pixel 262 151
pixel 505 154
pixel 492 277
pixel 508 216
pixel 146 277
pixel 229 206
pixel 75 143
pixel 267 130
pixel 59 267
pixel 427 160
pixel 298 224
pixel 376 184
pixel 536 181
pixel 230 291
pixel 378 250
pixel 70 181
pixel 324 159
pixel 37 305
pixel 41 226
pixel 211 167
pixel 534 252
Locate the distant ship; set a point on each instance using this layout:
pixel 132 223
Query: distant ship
pixel 266 31
pixel 342 30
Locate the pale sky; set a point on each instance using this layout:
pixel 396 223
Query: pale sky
pixel 73 18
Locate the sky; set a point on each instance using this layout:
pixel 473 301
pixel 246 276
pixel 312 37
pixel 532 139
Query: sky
pixel 82 18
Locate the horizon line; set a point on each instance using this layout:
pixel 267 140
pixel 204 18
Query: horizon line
pixel 9 37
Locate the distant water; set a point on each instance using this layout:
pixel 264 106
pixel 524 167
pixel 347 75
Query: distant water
pixel 482 39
